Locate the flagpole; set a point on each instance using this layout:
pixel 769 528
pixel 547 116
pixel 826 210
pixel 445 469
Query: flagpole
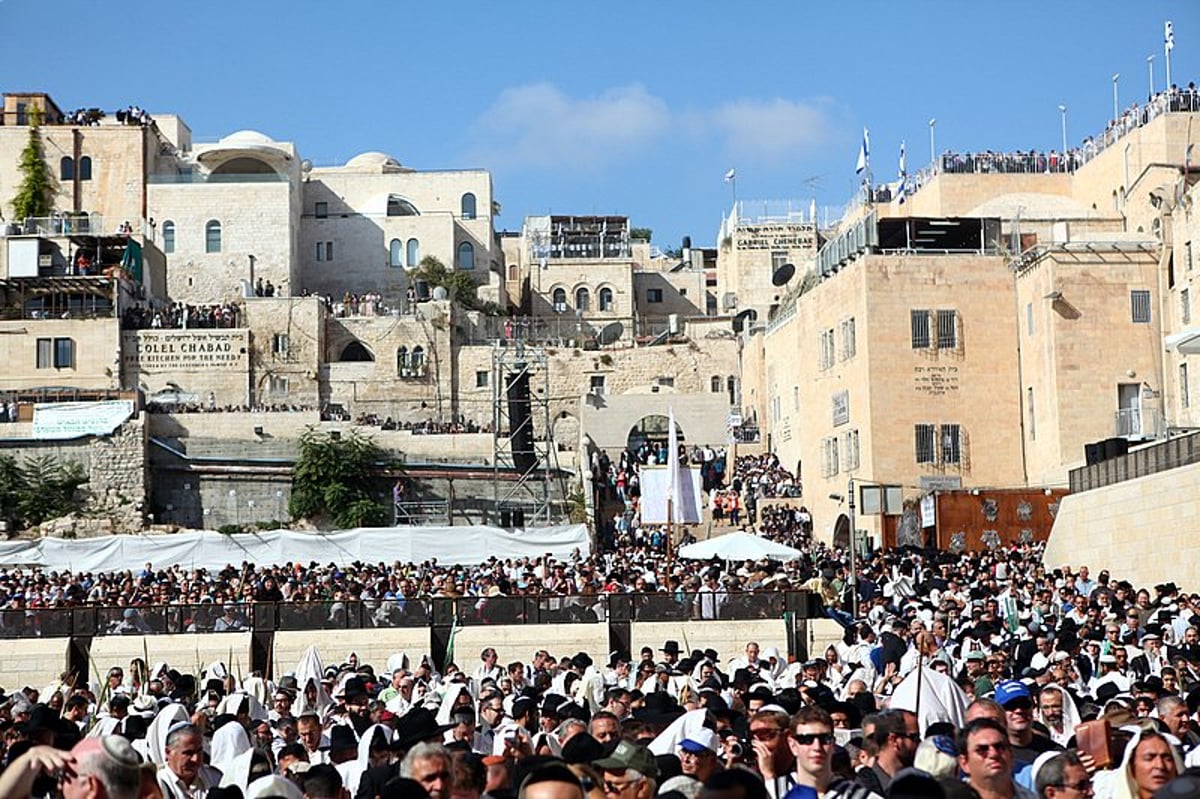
pixel 1168 45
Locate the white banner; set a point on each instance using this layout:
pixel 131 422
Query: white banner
pixel 654 495
pixel 58 420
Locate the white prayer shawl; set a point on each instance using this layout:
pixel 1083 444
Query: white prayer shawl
pixel 1120 783
pixel 669 739
pixel 273 786
pixel 156 733
pixel 227 743
pixel 105 725
pixel 256 687
pixel 238 773
pixel 940 698
pixel 453 691
pixel 590 689
pixel 397 660
pixel 310 670
pixel 230 704
pixel 1070 716
pixel 353 770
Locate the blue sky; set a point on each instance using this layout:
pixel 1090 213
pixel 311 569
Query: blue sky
pixel 635 108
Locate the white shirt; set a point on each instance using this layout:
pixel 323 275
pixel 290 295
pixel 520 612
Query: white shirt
pixel 175 788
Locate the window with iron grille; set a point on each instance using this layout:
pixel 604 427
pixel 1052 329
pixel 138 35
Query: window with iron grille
pixel 920 329
pixel 951 444
pixel 925 435
pixel 1185 306
pixel 947 330
pixel 1139 301
pixel 849 342
pixel 281 344
pixel 850 450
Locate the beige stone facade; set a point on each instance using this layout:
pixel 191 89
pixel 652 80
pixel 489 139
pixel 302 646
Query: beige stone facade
pixel 754 241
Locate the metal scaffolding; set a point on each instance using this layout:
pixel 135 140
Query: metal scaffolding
pixel 524 458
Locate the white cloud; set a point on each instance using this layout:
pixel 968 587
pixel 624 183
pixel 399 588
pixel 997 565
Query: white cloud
pixel 770 130
pixel 537 125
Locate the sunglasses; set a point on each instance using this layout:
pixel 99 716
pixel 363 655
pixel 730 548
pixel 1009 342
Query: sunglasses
pixel 809 738
pixel 983 749
pixel 765 734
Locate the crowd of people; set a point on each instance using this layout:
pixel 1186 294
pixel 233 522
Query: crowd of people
pixel 429 427
pixel 180 315
pixel 212 407
pixel 9 411
pixel 1033 680
pixel 133 115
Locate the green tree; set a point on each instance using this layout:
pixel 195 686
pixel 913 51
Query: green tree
pixel 39 489
pixel 641 233
pixel 459 285
pixel 333 477
pixel 33 195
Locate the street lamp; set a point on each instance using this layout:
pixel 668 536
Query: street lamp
pixel 1116 104
pixel 1062 109
pixel 932 148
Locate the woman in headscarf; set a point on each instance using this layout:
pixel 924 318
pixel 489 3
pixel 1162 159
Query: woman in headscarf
pixel 1150 762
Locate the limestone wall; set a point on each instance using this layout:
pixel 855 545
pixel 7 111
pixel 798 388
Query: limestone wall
pixel 96 358
pixel 1100 529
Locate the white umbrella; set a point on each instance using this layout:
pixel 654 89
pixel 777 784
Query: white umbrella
pixel 739 546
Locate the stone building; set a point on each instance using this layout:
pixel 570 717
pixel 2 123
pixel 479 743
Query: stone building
pixel 986 331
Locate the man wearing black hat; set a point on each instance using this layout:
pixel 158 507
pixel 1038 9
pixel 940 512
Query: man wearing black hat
pixel 670 652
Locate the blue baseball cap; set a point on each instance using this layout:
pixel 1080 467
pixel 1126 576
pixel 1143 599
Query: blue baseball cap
pixel 1010 691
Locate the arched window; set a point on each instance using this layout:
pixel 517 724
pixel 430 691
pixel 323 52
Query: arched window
pixel 560 300
pixel 606 299
pixel 168 231
pixel 356 351
pixel 418 359
pixel 66 168
pixel 401 360
pixel 85 168
pixel 716 384
pixel 212 236
pixel 466 256
pixel 413 254
pixel 396 253
pixel 583 299
pixel 468 206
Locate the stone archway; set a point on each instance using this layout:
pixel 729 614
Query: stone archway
pixel 652 429
pixel 566 431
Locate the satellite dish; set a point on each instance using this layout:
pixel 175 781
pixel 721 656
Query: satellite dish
pixel 739 321
pixel 306 166
pixel 439 293
pixel 783 274
pixel 611 333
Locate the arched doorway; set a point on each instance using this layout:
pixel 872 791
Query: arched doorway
pixel 356 351
pixel 652 430
pixel 841 531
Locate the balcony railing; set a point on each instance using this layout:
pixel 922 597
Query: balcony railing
pixel 203 177
pixel 1138 423
pixel 162 619
pixel 59 225
pixel 1169 454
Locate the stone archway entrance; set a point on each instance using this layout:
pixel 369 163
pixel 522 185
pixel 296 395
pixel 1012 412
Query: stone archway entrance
pixel 652 430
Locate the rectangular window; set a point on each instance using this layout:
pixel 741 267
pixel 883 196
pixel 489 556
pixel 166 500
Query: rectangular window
pixel 324 250
pixel 278 386
pixel 1185 306
pixel 1032 418
pixel 947 330
pixel 850 450
pixel 1187 249
pixel 481 378
pixel 1185 399
pixel 683 292
pixel 1139 301
pixel 778 259
pixel 320 210
pixel 653 295
pixel 829 456
pixel 45 353
pixel 280 344
pixel 924 434
pixel 596 384
pixel 920 329
pixel 849 341
pixel 951 446
pixel 1029 318
pixel 64 353
pixel 669 382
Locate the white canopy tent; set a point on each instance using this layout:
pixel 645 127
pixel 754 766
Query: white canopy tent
pixel 467 545
pixel 739 546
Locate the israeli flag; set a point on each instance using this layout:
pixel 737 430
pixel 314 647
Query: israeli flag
pixel 902 189
pixel 1169 35
pixel 864 153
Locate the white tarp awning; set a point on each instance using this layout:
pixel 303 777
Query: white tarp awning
pixel 738 546
pixel 211 550
pixel 1185 343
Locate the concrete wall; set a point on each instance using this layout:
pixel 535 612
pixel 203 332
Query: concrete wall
pixel 33 662
pixel 1111 528
pixel 520 642
pixel 188 653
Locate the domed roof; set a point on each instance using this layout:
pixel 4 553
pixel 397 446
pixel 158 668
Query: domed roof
pixel 373 161
pixel 247 137
pixel 1032 205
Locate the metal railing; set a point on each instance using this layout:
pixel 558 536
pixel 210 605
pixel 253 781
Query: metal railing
pixel 1169 454
pixel 58 225
pixel 159 619
pixel 567 330
pixel 1138 423
pixel 204 177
